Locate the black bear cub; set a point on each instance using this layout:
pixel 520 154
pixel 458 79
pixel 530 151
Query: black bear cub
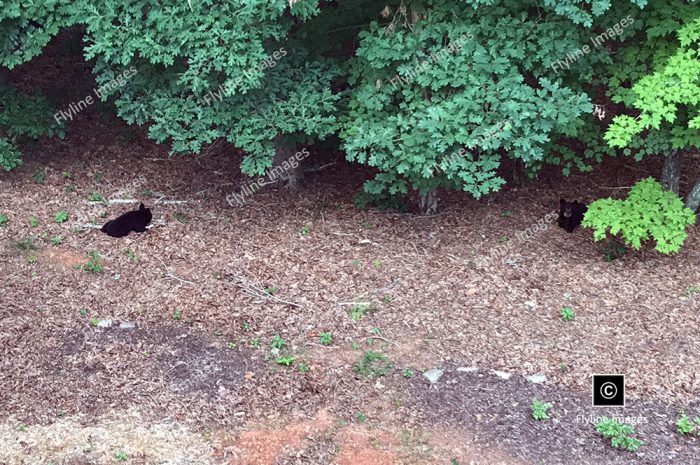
pixel 135 220
pixel 571 214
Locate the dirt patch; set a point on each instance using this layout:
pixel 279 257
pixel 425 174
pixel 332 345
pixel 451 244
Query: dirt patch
pixel 361 446
pixel 264 445
pixel 64 259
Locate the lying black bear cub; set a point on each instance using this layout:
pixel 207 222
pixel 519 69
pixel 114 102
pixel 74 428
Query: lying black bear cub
pixel 571 214
pixel 135 220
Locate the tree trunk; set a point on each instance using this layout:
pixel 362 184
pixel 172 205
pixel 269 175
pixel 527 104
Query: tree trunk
pixel 692 201
pixel 671 172
pixel 428 202
pixel 285 166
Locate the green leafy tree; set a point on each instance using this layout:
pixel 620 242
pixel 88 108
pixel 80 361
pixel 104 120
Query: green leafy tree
pixel 648 212
pixel 441 95
pixel 22 117
pixel 660 81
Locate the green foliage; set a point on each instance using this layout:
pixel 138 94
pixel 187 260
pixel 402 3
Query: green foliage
pixel 539 409
pixel 359 310
pixel 619 433
pixel 10 157
pixel 567 313
pixel 21 117
pixel 648 212
pixel 131 255
pixel 61 217
pixel 277 342
pixel 613 250
pixel 94 263
pixel 435 89
pixel 96 197
pixel 684 425
pixel 33 222
pixel 26 244
pixel 665 73
pixel 373 364
pixel 326 339
pixel 3 220
pixel 285 360
pixel 381 200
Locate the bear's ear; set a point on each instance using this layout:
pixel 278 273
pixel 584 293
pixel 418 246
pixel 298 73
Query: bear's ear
pixel 562 202
pixel 142 207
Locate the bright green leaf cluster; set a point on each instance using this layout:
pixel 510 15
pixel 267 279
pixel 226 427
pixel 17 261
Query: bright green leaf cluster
pixel 649 212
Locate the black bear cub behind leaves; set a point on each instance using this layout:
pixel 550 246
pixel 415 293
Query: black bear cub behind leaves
pixel 135 220
pixel 571 214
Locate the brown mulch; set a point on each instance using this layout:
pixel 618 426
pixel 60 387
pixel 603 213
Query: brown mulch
pixel 199 359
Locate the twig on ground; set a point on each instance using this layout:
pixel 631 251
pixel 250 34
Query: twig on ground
pixel 319 168
pixel 380 338
pixel 170 274
pixel 255 291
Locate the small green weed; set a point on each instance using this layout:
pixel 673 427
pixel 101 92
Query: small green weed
pixel 277 342
pixel 684 425
pixel 96 197
pixel 567 313
pixel 689 292
pixel 177 314
pixel 272 290
pixel 303 367
pixel 285 360
pixel 40 176
pixel 61 217
pixel 359 310
pixel 131 255
pixel 56 241
pixel 94 263
pixel 121 456
pixel 33 222
pixel 326 339
pixel 619 434
pixel 539 409
pixel 3 220
pixel 26 244
pixel 373 364
pixel 305 231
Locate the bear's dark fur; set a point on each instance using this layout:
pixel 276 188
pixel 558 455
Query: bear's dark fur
pixel 135 220
pixel 571 214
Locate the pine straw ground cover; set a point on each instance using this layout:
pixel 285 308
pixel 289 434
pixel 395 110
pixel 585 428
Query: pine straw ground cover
pixel 193 377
